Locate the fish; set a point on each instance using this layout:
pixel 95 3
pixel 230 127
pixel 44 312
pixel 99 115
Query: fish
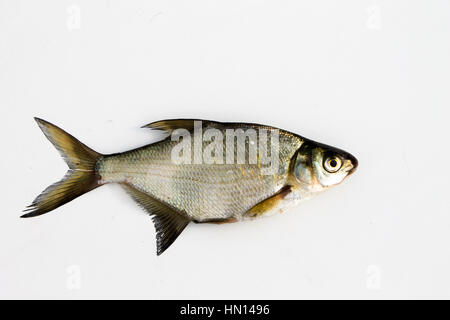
pixel 228 172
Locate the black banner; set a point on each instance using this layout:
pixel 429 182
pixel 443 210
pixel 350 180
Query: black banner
pixel 227 309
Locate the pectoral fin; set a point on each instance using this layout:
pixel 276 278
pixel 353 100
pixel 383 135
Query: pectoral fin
pixel 268 204
pixel 169 222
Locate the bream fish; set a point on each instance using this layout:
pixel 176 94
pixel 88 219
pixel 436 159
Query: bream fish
pixel 181 179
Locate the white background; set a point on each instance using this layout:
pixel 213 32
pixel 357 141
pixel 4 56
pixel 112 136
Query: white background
pixel 371 77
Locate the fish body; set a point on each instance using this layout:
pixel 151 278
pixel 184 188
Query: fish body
pixel 203 191
pixel 259 171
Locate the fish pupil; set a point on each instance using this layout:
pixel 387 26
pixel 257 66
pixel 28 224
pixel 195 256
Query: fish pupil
pixel 333 163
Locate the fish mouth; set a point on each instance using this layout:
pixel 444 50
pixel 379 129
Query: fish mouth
pixel 354 162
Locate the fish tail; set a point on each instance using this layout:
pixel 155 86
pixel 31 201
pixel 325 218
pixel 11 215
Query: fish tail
pixel 79 179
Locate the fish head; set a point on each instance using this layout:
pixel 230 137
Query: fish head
pixel 318 166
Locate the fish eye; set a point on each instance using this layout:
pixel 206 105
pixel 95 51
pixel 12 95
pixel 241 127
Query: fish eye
pixel 332 164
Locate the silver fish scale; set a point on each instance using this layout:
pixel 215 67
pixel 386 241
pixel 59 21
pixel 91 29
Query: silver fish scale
pixel 202 191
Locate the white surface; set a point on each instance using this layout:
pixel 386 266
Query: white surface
pixel 370 77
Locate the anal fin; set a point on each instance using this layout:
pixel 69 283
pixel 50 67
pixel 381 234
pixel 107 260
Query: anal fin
pixel 169 222
pixel 218 221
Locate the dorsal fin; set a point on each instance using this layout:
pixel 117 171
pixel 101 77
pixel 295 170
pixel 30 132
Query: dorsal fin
pixel 172 124
pixel 169 222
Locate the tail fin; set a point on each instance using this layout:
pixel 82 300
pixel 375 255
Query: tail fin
pixel 80 178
